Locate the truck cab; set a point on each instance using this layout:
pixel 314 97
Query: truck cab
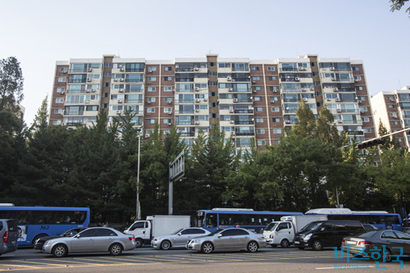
pixel 141 230
pixel 279 233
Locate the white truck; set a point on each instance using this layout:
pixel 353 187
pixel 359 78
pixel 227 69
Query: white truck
pixel 157 225
pixel 283 232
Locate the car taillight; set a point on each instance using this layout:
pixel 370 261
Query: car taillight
pixel 131 238
pixel 6 237
pixel 363 243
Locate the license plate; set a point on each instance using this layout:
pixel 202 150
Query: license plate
pixel 296 243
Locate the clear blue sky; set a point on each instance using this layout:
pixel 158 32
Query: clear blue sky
pixel 39 33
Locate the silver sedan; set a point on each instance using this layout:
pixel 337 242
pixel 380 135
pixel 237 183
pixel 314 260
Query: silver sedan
pixel 228 239
pixel 96 239
pixel 178 238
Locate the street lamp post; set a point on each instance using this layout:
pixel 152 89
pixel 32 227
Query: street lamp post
pixel 138 212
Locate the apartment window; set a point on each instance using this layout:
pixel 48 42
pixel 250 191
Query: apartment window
pixel 275 109
pixel 167 110
pixel 152 79
pixel 151 121
pixel 259 120
pixel 168 100
pixel 277 131
pixel 213 83
pixel 151 110
pixel 272 78
pixel 257 88
pixel 167 88
pixel 357 78
pixel 273 88
pixel 168 68
pixel 395 122
pixel 356 68
pixel 255 68
pixel 367 130
pixel 151 89
pixel 224 65
pixel 271 68
pixel 274 98
pixel 60 90
pixel 107 74
pixel 359 88
pixel 392 106
pixel 394 115
pixel 152 68
pixel 168 79
pixel 59 100
pixel 276 120
pixel 62 79
pixel 256 78
pixel 260 131
pixel 257 98
pixel 261 142
pixel 213 73
pixel 58 111
pixel 151 100
pixel 63 69
pixel 258 109
pixel 365 119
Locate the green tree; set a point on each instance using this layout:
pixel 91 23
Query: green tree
pixel 11 84
pixel 398 4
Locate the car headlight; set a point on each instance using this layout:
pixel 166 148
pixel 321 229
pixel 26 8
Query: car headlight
pixel 307 237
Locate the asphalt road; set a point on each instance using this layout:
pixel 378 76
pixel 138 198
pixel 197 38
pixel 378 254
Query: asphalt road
pixel 181 260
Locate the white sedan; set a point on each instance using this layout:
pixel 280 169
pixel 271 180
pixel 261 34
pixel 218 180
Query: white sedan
pixel 178 238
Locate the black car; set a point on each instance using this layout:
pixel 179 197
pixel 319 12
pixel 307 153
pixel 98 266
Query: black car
pixel 320 234
pixel 38 244
pixel 386 242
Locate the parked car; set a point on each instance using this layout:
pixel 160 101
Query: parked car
pixel 178 238
pixel 321 234
pixel 38 244
pixel 364 244
pixel 228 239
pixel 96 239
pixel 9 234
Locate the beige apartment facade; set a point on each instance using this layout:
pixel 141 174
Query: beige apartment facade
pixel 249 99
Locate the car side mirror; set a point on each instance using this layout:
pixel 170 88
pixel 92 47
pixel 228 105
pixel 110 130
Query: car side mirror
pixel 77 236
pixel 179 234
pixel 219 235
pixel 322 229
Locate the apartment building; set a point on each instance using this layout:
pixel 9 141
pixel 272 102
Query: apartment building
pixel 249 99
pixel 392 108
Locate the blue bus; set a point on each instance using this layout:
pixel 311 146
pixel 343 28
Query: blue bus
pixel 379 219
pixel 232 217
pixel 35 222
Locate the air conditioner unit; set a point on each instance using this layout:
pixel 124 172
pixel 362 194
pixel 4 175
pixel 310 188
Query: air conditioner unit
pixel 328 99
pixel 333 79
pixel 146 135
pixel 335 89
pixel 253 81
pixel 359 102
pixel 169 102
pixel 229 78
pixel 148 101
pixel 150 71
pixel 169 123
pixel 287 121
pixel 93 90
pixel 119 101
pixel 122 69
pixel 340 121
pixel 170 113
pixel 64 72
pixel 254 91
pixel 197 89
pixel 197 100
pixel 332 68
pixel 196 122
pixel 196 68
pixel 304 90
pixel 339 110
pixel 230 89
pixel 205 99
pixel 88 91
pixel 118 112
pixel 116 80
pixel 61 92
pixel 338 99
pixel 305 99
pixel 122 79
pixel 89 79
pixel 297 79
pixel 275 91
pixel 121 90
pixel 232 122
pixel 90 69
pixel 231 111
pixel 235 100
pixel 197 110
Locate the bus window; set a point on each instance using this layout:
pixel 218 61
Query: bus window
pixel 211 220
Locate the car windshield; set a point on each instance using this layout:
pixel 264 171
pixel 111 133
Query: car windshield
pixel 271 226
pixel 215 232
pixel 178 231
pixel 311 226
pixel 367 234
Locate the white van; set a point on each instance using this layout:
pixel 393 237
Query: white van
pixel 8 235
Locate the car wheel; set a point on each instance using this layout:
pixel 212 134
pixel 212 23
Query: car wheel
pixel 138 243
pixel 253 247
pixel 115 249
pixel 207 247
pixel 59 251
pixel 165 245
pixel 317 245
pixel 285 243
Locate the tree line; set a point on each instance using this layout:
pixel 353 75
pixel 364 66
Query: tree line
pixel 312 166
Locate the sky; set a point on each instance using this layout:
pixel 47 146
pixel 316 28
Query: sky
pixel 39 33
